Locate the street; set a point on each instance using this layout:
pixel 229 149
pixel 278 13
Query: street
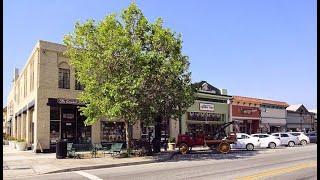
pixel 299 162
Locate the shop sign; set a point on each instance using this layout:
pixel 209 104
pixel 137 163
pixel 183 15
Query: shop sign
pixel 68 116
pixel 69 101
pixel 206 107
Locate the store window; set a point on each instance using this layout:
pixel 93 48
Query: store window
pixel 64 78
pixel 54 125
pixel 112 131
pixel 202 116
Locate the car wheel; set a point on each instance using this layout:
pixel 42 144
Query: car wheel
pixel 272 145
pixel 303 142
pixel 183 148
pixel 290 143
pixel 249 147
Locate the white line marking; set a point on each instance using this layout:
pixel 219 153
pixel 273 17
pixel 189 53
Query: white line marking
pixel 90 176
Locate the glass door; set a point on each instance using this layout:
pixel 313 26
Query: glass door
pixel 68 125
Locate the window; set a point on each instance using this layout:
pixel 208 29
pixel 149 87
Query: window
pixel 25 84
pixel 244 137
pixel 78 85
pixel 54 113
pixel 295 134
pixel 284 135
pixel 275 134
pixel 112 132
pixel 64 78
pixel 31 76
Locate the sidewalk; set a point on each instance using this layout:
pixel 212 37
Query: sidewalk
pixel 27 163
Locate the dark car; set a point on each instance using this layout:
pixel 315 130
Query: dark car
pixel 312 136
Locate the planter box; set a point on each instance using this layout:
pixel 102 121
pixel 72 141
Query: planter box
pixel 12 144
pixel 171 146
pixel 5 142
pixel 21 146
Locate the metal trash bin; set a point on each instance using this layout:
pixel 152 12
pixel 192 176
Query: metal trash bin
pixel 61 149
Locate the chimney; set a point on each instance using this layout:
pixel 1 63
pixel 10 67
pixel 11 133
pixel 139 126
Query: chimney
pixel 15 74
pixel 224 91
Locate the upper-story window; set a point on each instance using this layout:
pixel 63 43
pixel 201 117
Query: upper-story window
pixel 31 75
pixel 64 78
pixel 78 85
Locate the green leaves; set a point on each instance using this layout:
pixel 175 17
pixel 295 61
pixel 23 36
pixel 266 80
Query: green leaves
pixel 131 69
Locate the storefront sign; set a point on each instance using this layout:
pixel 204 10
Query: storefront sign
pixel 69 101
pixel 68 116
pixel 206 107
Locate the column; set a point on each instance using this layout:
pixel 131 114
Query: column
pixel 28 124
pixel 23 126
pixel 18 133
pixel 14 126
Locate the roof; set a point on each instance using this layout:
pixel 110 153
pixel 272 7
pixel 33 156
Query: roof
pixel 260 101
pixel 294 107
pixel 313 111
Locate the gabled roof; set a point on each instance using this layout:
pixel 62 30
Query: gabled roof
pixel 297 108
pixel 294 107
pixel 204 86
pixel 259 101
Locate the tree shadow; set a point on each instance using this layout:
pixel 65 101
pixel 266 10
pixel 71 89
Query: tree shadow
pixel 201 155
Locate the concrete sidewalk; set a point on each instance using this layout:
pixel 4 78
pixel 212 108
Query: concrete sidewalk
pixel 27 163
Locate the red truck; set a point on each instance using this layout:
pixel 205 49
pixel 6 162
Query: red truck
pixel 218 140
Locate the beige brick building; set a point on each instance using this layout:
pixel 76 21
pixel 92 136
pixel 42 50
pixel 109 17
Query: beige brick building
pixel 43 106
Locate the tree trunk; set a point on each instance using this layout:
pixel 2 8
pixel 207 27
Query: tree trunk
pixel 128 134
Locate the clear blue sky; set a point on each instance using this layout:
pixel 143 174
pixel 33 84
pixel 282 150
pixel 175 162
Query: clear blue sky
pixel 264 49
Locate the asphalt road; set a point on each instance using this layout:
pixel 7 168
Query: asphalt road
pixel 298 162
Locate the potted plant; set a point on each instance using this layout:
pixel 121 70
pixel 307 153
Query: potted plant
pixel 171 144
pixel 21 145
pixel 5 139
pixel 11 141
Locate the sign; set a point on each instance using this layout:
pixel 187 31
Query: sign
pixel 68 116
pixel 69 101
pixel 206 107
pixel 247 111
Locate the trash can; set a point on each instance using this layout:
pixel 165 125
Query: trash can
pixel 61 149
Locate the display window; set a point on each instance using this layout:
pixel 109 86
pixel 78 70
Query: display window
pixel 112 131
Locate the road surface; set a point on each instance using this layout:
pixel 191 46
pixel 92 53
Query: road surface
pixel 298 162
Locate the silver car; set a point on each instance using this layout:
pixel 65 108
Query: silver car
pixel 287 139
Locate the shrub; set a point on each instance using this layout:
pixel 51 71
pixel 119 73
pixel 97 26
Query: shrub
pixel 21 140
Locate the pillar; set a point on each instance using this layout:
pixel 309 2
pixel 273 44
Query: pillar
pixel 14 127
pixel 18 133
pixel 28 127
pixel 23 126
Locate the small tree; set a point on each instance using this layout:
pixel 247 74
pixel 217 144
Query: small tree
pixel 131 69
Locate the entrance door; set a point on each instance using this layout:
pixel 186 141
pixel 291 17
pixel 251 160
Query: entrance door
pixel 68 125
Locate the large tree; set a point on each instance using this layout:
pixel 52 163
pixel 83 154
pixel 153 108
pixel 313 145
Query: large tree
pixel 131 69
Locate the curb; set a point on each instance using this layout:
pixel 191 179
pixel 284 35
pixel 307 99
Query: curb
pixel 105 166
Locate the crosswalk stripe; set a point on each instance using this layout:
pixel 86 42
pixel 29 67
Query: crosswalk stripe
pixel 87 175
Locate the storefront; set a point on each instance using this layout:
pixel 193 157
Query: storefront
pixel 67 123
pixel 299 118
pixel 246 113
pixel 209 110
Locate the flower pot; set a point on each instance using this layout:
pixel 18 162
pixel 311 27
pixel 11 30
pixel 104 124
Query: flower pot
pixel 5 142
pixel 171 146
pixel 12 144
pixel 21 146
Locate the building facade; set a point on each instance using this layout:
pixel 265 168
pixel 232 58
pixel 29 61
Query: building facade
pixel 210 109
pixel 44 106
pixel 299 118
pixel 246 113
pixel 273 116
pixel 4 120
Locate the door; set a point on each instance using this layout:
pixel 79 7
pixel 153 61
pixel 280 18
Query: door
pixel 68 125
pixel 284 138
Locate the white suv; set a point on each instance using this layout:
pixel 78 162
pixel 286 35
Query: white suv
pixel 303 139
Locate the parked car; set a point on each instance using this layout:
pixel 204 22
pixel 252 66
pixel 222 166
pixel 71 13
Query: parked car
pixel 303 139
pixel 286 139
pixel 245 141
pixel 267 141
pixel 312 136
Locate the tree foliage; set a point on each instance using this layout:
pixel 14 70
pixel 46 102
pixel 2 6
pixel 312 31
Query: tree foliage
pixel 131 69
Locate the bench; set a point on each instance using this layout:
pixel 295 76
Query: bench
pixel 115 149
pixel 76 150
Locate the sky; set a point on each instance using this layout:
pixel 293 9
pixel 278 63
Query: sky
pixel 262 49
